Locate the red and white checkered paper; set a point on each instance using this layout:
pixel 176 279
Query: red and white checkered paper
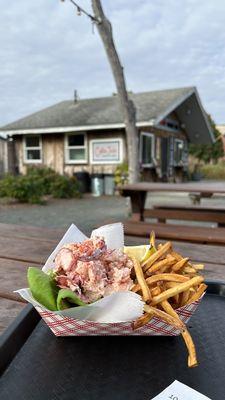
pixel 65 326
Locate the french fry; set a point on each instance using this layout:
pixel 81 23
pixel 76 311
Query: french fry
pixel 192 359
pixel 172 282
pixel 176 297
pixel 141 280
pixel 155 267
pixel 141 321
pixel 169 285
pixel 198 293
pixel 167 277
pixel 198 266
pixel 161 277
pixel 155 256
pixel 177 289
pixel 189 270
pixel 179 257
pixel 185 297
pixel 165 317
pixel 176 267
pixel 152 239
pixel 155 291
pixel 176 255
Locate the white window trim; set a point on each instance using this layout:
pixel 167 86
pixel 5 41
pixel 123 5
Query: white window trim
pixel 107 140
pixel 141 148
pixel 25 149
pixel 67 147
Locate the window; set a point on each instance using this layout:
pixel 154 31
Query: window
pixel 147 149
pixel 76 148
pixel 178 151
pixel 106 151
pixel 32 149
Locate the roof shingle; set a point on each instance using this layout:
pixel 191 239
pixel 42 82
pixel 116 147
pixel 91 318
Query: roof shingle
pixel 99 111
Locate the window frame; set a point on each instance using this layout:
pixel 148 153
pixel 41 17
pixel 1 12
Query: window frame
pixel 117 139
pixel 25 150
pixel 178 163
pixel 149 165
pixel 67 148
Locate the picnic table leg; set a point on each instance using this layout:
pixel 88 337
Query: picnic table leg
pixel 137 203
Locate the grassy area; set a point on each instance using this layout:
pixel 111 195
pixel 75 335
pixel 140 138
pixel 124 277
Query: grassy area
pixel 214 171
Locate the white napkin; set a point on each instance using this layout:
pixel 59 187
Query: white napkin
pixel 113 235
pixel 179 391
pixel 118 307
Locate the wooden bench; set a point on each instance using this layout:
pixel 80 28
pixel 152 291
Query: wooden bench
pixel 163 213
pixel 176 232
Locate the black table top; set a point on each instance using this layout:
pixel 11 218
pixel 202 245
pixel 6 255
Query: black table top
pixel 134 368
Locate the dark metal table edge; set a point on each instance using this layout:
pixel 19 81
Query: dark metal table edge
pixel 16 335
pixel 21 328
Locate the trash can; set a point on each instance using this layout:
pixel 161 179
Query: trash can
pixel 109 184
pixel 83 179
pixel 97 184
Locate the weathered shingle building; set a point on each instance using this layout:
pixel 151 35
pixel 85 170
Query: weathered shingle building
pixel 89 134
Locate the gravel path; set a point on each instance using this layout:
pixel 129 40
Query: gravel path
pixel 86 213
pixel 89 211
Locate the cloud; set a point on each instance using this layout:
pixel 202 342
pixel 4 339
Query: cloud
pixel 47 51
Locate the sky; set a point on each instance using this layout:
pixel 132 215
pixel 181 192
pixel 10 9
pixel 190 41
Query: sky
pixel 47 51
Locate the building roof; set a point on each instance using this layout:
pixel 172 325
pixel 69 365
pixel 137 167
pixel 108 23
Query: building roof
pixel 104 112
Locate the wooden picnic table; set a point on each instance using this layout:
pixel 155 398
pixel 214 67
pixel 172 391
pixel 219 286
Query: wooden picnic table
pixel 24 246
pixel 138 192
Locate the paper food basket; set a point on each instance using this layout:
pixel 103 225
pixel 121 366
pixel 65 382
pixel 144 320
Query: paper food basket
pixel 66 322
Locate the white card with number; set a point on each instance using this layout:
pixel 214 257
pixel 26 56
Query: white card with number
pixel 179 391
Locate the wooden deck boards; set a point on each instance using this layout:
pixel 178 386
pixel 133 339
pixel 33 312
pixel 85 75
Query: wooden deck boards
pixel 26 249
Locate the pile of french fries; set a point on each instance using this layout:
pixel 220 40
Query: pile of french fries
pixel 167 281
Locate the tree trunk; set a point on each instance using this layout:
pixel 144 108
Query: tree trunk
pixel 128 109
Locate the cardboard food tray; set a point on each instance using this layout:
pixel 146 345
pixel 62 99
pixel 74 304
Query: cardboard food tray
pixel 65 326
pixel 71 324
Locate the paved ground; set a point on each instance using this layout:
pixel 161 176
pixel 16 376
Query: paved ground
pixel 86 213
pixel 89 211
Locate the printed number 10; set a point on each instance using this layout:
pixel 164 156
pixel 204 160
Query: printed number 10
pixel 172 397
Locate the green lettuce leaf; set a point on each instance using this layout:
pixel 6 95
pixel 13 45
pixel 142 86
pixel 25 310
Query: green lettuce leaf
pixel 66 297
pixel 43 288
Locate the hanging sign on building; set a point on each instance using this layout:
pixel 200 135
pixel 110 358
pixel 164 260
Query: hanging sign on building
pixel 106 151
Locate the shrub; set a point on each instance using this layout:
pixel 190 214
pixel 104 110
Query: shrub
pixel 121 174
pixel 64 187
pixel 27 190
pixel 6 185
pixel 31 188
pixel 21 188
pixel 44 175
